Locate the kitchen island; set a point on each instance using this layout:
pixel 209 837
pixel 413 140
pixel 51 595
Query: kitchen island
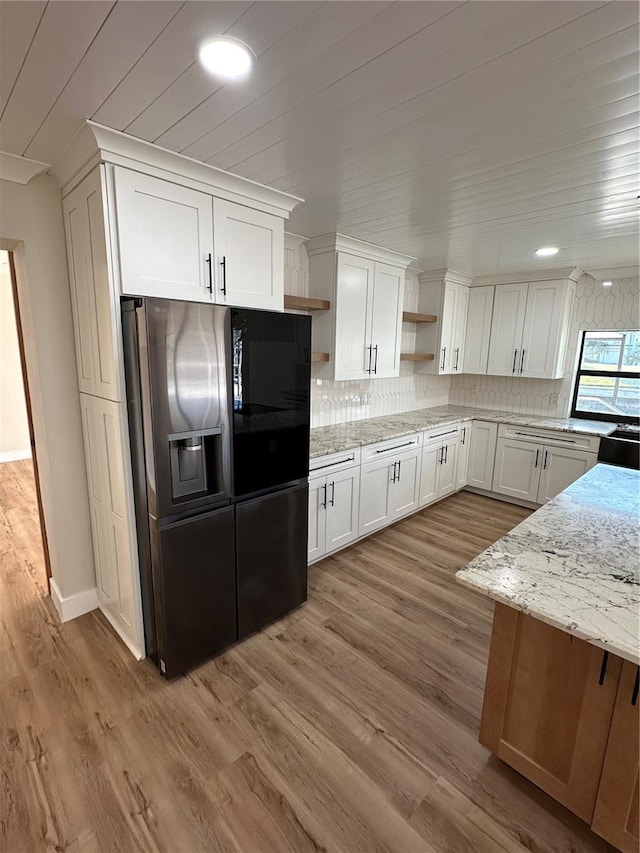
pixel 561 696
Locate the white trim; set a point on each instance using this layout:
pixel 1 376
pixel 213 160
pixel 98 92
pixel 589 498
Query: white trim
pixel 452 276
pixel 292 241
pixel 18 169
pixel 343 243
pixel 74 605
pixel 573 273
pixel 135 651
pixel 15 455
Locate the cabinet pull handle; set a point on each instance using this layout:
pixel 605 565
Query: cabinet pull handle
pixel 441 455
pixel 324 500
pixel 446 453
pixel 394 472
pixel 455 366
pixel 444 355
pixel 522 360
pixel 368 370
pixel 440 434
pixel 396 447
pixel 636 684
pixel 537 457
pixel 399 467
pixel 515 359
pixel 375 363
pixel 464 434
pixel 331 464
pixel 223 264
pixel 547 438
pixel 209 262
pixel 332 501
pixel 544 460
pixel 603 668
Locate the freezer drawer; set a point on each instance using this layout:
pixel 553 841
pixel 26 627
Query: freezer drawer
pixel 271 552
pixel 198 590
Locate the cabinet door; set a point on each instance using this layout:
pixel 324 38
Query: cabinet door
pixel 445 356
pixel 403 494
pixel 375 486
pixel 482 454
pixel 165 235
pixel 249 256
pixel 317 518
pixel 478 329
pixel 517 469
pixel 560 467
pixel 343 499
pixel 386 320
pixel 354 297
pixel 543 328
pixel 507 324
pixel 459 328
pixel 547 707
pixel 448 469
pixel 429 474
pixel 616 813
pixel 462 454
pixel 91 297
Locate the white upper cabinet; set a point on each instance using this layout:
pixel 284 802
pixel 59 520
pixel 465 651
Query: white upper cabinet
pixel 444 293
pixel 249 247
pixel 364 284
pixel 529 329
pixel 478 330
pixel 92 300
pixel 165 238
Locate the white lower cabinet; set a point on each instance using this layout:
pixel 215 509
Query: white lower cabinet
pixel 439 475
pixel 562 466
pixel 482 454
pixel 389 482
pixel 462 454
pixel 334 499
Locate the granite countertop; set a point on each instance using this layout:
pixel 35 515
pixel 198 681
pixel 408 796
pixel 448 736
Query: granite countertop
pixel 574 562
pixel 337 439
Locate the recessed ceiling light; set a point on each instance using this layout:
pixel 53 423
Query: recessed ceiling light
pixel 547 251
pixel 226 57
pixel 607 283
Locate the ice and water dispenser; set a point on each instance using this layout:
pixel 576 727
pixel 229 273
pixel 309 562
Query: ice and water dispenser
pixel 196 464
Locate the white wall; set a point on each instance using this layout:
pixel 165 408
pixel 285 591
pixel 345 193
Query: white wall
pixel 594 308
pixel 31 224
pixel 14 427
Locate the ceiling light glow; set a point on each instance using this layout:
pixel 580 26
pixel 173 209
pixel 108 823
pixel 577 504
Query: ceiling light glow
pixel 547 251
pixel 226 58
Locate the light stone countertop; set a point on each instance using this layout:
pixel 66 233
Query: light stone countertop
pixel 337 439
pixel 574 563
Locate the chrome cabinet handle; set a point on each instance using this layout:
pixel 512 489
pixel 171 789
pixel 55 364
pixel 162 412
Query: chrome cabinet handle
pixel 544 460
pixel 522 360
pixel 455 366
pixel 209 262
pixel 333 494
pixel 324 500
pixel 375 363
pixel 444 355
pixel 223 264
pixel 537 457
pixel 515 359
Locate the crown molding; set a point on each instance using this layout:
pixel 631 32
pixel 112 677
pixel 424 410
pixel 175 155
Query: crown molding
pixel 292 241
pixel 614 273
pixel 94 143
pixel 343 243
pixel 453 276
pixel 571 273
pixel 19 170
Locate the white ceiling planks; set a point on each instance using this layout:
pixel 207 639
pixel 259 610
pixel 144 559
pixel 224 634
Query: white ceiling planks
pixel 18 25
pixel 63 36
pixel 129 29
pixel 262 25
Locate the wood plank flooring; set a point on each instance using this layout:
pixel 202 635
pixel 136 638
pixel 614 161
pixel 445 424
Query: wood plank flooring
pixel 349 726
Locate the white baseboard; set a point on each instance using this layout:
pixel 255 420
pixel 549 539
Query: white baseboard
pixel 15 455
pixel 73 605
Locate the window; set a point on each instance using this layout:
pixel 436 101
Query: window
pixel 608 381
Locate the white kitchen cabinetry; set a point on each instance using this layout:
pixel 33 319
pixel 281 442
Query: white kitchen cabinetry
pixel 478 330
pixel 111 505
pixel 334 496
pixel 92 300
pixel 482 453
pixel 463 455
pixel 249 250
pixel 444 293
pixel 439 474
pixel 529 329
pixel 365 287
pixel 536 465
pixel 165 238
pixel 389 482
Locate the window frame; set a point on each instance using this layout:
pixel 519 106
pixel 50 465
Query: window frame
pixel 608 374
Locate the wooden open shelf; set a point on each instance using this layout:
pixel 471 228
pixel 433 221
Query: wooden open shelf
pixel 416 356
pixel 306 303
pixel 412 317
pixel 322 356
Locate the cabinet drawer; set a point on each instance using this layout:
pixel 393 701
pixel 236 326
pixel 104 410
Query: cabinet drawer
pixel 382 449
pixel 319 465
pixel 579 441
pixel 442 434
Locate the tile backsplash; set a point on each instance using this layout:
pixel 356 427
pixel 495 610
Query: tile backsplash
pixel 336 402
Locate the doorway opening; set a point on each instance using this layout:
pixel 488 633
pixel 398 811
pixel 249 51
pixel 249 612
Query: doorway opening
pixel 23 538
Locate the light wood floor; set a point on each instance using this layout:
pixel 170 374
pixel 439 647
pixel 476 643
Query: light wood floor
pixel 349 726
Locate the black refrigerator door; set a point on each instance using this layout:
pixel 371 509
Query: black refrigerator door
pixel 271 543
pixel 198 590
pixel 271 389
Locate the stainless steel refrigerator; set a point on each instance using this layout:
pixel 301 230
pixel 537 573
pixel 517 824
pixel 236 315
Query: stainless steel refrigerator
pixel 218 402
